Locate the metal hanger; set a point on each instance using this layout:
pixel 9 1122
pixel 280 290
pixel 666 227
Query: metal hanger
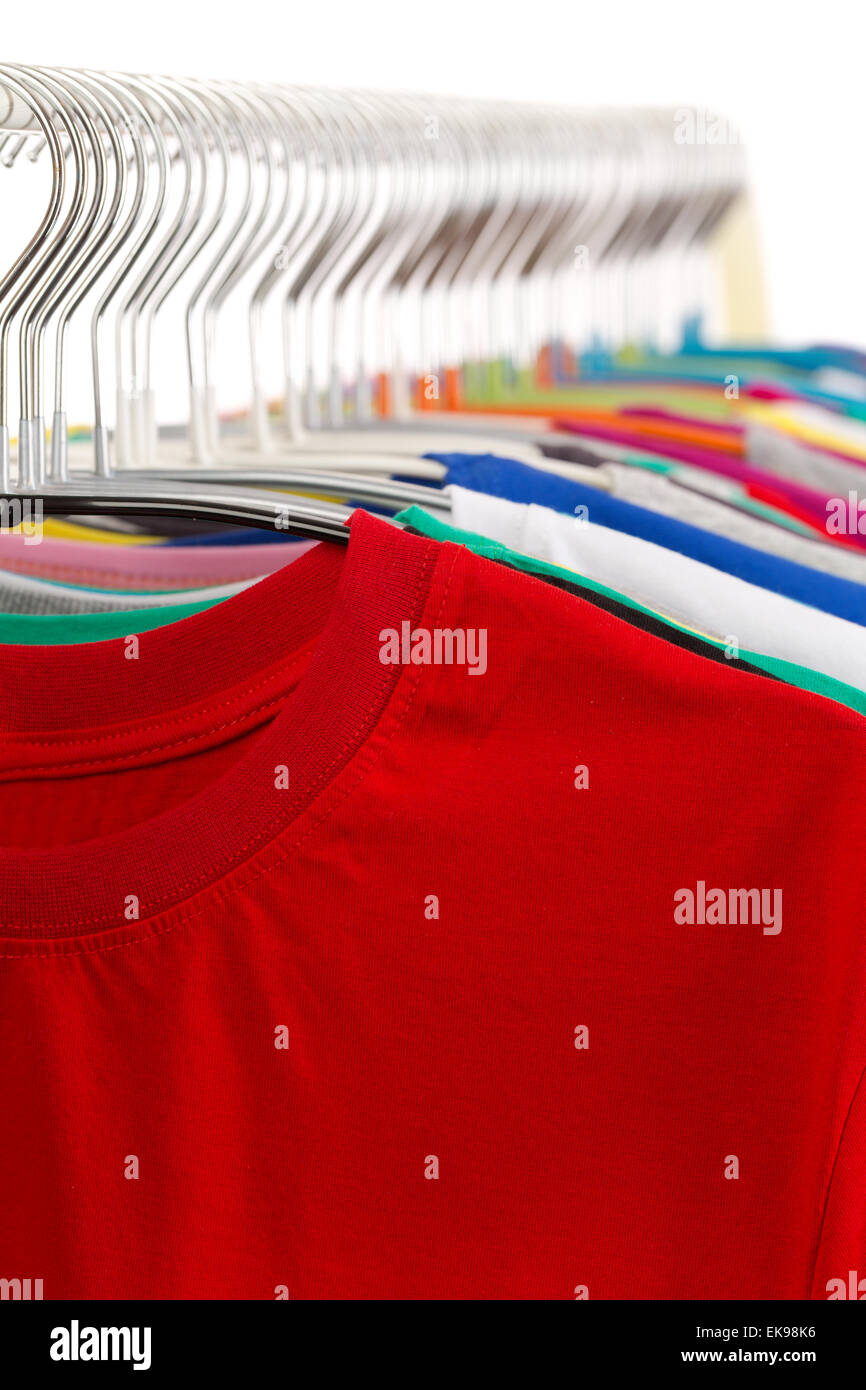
pixel 35 286
pixel 398 256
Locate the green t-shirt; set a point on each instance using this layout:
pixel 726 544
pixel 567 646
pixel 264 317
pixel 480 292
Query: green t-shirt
pixel 66 629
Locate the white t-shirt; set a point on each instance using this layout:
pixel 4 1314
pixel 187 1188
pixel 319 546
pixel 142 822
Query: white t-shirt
pixel 705 599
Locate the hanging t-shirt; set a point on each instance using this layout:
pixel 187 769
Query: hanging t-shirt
pixel 696 595
pixel 668 495
pixel 416 519
pixel 229 534
pixel 520 483
pixel 149 567
pixel 55 629
pixel 331 974
pixel 780 453
pixel 26 594
pixel 806 501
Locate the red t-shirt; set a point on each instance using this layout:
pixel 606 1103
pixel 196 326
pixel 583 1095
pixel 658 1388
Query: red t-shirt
pixel 330 976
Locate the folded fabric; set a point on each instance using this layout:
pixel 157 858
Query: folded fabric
pixel 729 609
pixel 521 483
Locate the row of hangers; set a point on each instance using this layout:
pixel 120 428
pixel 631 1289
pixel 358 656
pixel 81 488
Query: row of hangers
pixel 380 245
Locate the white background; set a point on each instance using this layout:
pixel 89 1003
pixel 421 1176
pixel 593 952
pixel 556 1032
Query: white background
pixel 790 75
pixel 790 78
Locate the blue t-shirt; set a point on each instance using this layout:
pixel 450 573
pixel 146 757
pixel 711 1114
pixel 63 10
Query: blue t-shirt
pixel 520 482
